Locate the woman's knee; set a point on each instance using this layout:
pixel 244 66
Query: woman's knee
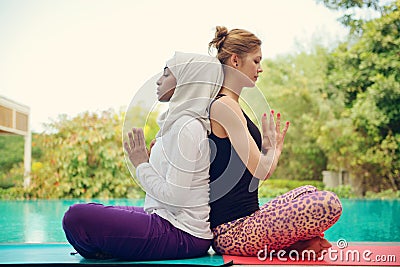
pixel 73 216
pixel 328 204
pixel 322 204
pixel 333 202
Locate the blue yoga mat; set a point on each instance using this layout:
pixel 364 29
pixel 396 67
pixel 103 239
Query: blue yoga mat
pixel 60 254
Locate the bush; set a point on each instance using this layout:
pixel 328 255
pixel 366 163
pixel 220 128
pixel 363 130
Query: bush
pixel 6 182
pixel 81 157
pixel 343 191
pixel 386 194
pixel 13 193
pixel 276 187
pixel 292 184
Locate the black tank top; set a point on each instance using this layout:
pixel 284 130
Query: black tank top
pixel 233 190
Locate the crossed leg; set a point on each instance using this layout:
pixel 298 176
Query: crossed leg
pixel 293 220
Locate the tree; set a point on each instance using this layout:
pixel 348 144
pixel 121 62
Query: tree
pixel 363 87
pixel 83 158
pixel 12 152
pixel 12 155
pixel 352 9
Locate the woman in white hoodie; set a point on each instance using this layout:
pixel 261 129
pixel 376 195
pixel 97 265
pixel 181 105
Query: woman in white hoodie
pixel 174 222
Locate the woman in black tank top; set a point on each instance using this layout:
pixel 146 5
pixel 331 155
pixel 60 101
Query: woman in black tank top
pixel 234 192
pixel 241 156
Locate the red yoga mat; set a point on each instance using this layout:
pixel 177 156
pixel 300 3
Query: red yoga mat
pixel 360 255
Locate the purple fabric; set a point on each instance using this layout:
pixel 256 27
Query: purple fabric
pixel 127 233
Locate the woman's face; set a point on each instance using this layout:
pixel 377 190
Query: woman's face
pixel 166 86
pixel 250 65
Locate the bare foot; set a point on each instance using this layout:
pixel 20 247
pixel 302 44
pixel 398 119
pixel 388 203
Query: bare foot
pixel 313 243
pixel 325 243
pixel 317 244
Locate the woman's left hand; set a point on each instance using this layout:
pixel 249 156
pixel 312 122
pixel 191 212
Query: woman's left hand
pixel 280 135
pixel 273 137
pixel 136 149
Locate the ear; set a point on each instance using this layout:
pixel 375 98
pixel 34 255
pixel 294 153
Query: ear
pixel 234 60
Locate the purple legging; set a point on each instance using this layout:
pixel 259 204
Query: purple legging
pixel 127 233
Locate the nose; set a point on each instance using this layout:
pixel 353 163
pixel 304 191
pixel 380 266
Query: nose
pixel 159 81
pixel 260 70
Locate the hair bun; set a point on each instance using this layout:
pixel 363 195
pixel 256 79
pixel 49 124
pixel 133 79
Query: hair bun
pixel 220 35
pixel 235 41
pixel 221 32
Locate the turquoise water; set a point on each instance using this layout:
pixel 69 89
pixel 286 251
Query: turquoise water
pixel 40 221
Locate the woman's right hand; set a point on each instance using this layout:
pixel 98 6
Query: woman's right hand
pixel 136 148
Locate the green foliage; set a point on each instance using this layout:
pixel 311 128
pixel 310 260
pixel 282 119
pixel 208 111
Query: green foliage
pixel 12 193
pixel 276 187
pixel 343 105
pixel 136 116
pixel 11 183
pixel 343 191
pixel 6 182
pixel 82 158
pixel 386 194
pixel 291 184
pixel 352 8
pixel 362 134
pixel 12 151
pixel 293 85
pixel 266 192
pixel 12 156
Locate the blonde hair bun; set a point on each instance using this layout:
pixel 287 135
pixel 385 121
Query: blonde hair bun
pixel 235 41
pixel 220 34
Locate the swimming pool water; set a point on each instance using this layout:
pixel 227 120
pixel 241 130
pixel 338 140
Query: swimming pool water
pixel 40 221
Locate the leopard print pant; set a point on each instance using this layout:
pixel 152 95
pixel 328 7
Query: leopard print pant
pixel 300 214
